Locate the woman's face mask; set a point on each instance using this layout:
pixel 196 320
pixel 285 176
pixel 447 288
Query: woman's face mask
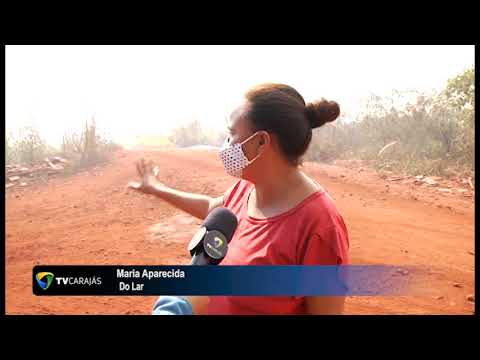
pixel 234 159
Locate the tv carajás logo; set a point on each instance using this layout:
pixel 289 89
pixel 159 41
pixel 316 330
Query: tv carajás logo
pixel 44 279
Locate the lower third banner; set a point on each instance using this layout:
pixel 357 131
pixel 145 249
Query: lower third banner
pixel 291 280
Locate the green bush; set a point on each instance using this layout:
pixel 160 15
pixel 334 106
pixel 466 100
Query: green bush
pixel 193 134
pixel 87 148
pixel 26 148
pixel 433 135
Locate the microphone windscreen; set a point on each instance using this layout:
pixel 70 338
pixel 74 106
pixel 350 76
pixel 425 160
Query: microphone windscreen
pixel 223 220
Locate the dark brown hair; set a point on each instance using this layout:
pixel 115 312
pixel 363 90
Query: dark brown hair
pixel 281 110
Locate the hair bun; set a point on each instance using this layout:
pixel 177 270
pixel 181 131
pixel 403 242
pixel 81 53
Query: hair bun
pixel 320 112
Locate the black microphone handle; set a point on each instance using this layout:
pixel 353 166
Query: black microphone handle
pixel 200 259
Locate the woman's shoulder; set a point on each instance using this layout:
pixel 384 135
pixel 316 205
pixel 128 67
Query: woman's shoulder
pixel 327 236
pixel 322 210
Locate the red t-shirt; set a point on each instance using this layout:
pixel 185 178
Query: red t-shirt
pixel 311 233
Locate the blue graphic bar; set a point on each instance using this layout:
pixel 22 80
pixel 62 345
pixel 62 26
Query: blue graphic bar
pixel 289 280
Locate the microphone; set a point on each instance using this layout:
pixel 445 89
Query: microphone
pixel 208 247
pixel 210 243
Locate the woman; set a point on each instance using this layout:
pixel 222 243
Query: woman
pixel 285 217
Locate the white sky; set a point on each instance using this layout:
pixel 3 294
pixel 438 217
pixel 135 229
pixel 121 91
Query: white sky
pixel 135 90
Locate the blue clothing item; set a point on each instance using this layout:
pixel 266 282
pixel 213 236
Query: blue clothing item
pixel 172 305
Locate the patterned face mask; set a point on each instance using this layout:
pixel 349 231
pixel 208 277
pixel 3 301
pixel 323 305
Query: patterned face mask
pixel 234 159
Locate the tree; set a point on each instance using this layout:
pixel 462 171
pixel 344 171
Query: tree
pixel 460 94
pixel 29 146
pixel 461 90
pixel 193 134
pixel 9 149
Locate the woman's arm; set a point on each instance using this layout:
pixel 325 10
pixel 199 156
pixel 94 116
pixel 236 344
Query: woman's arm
pixel 330 249
pixel 199 304
pixel 197 205
pixel 325 305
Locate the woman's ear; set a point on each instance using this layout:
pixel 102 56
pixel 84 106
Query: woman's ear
pixel 264 138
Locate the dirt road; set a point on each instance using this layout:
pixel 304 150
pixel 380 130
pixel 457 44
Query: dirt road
pixel 90 218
